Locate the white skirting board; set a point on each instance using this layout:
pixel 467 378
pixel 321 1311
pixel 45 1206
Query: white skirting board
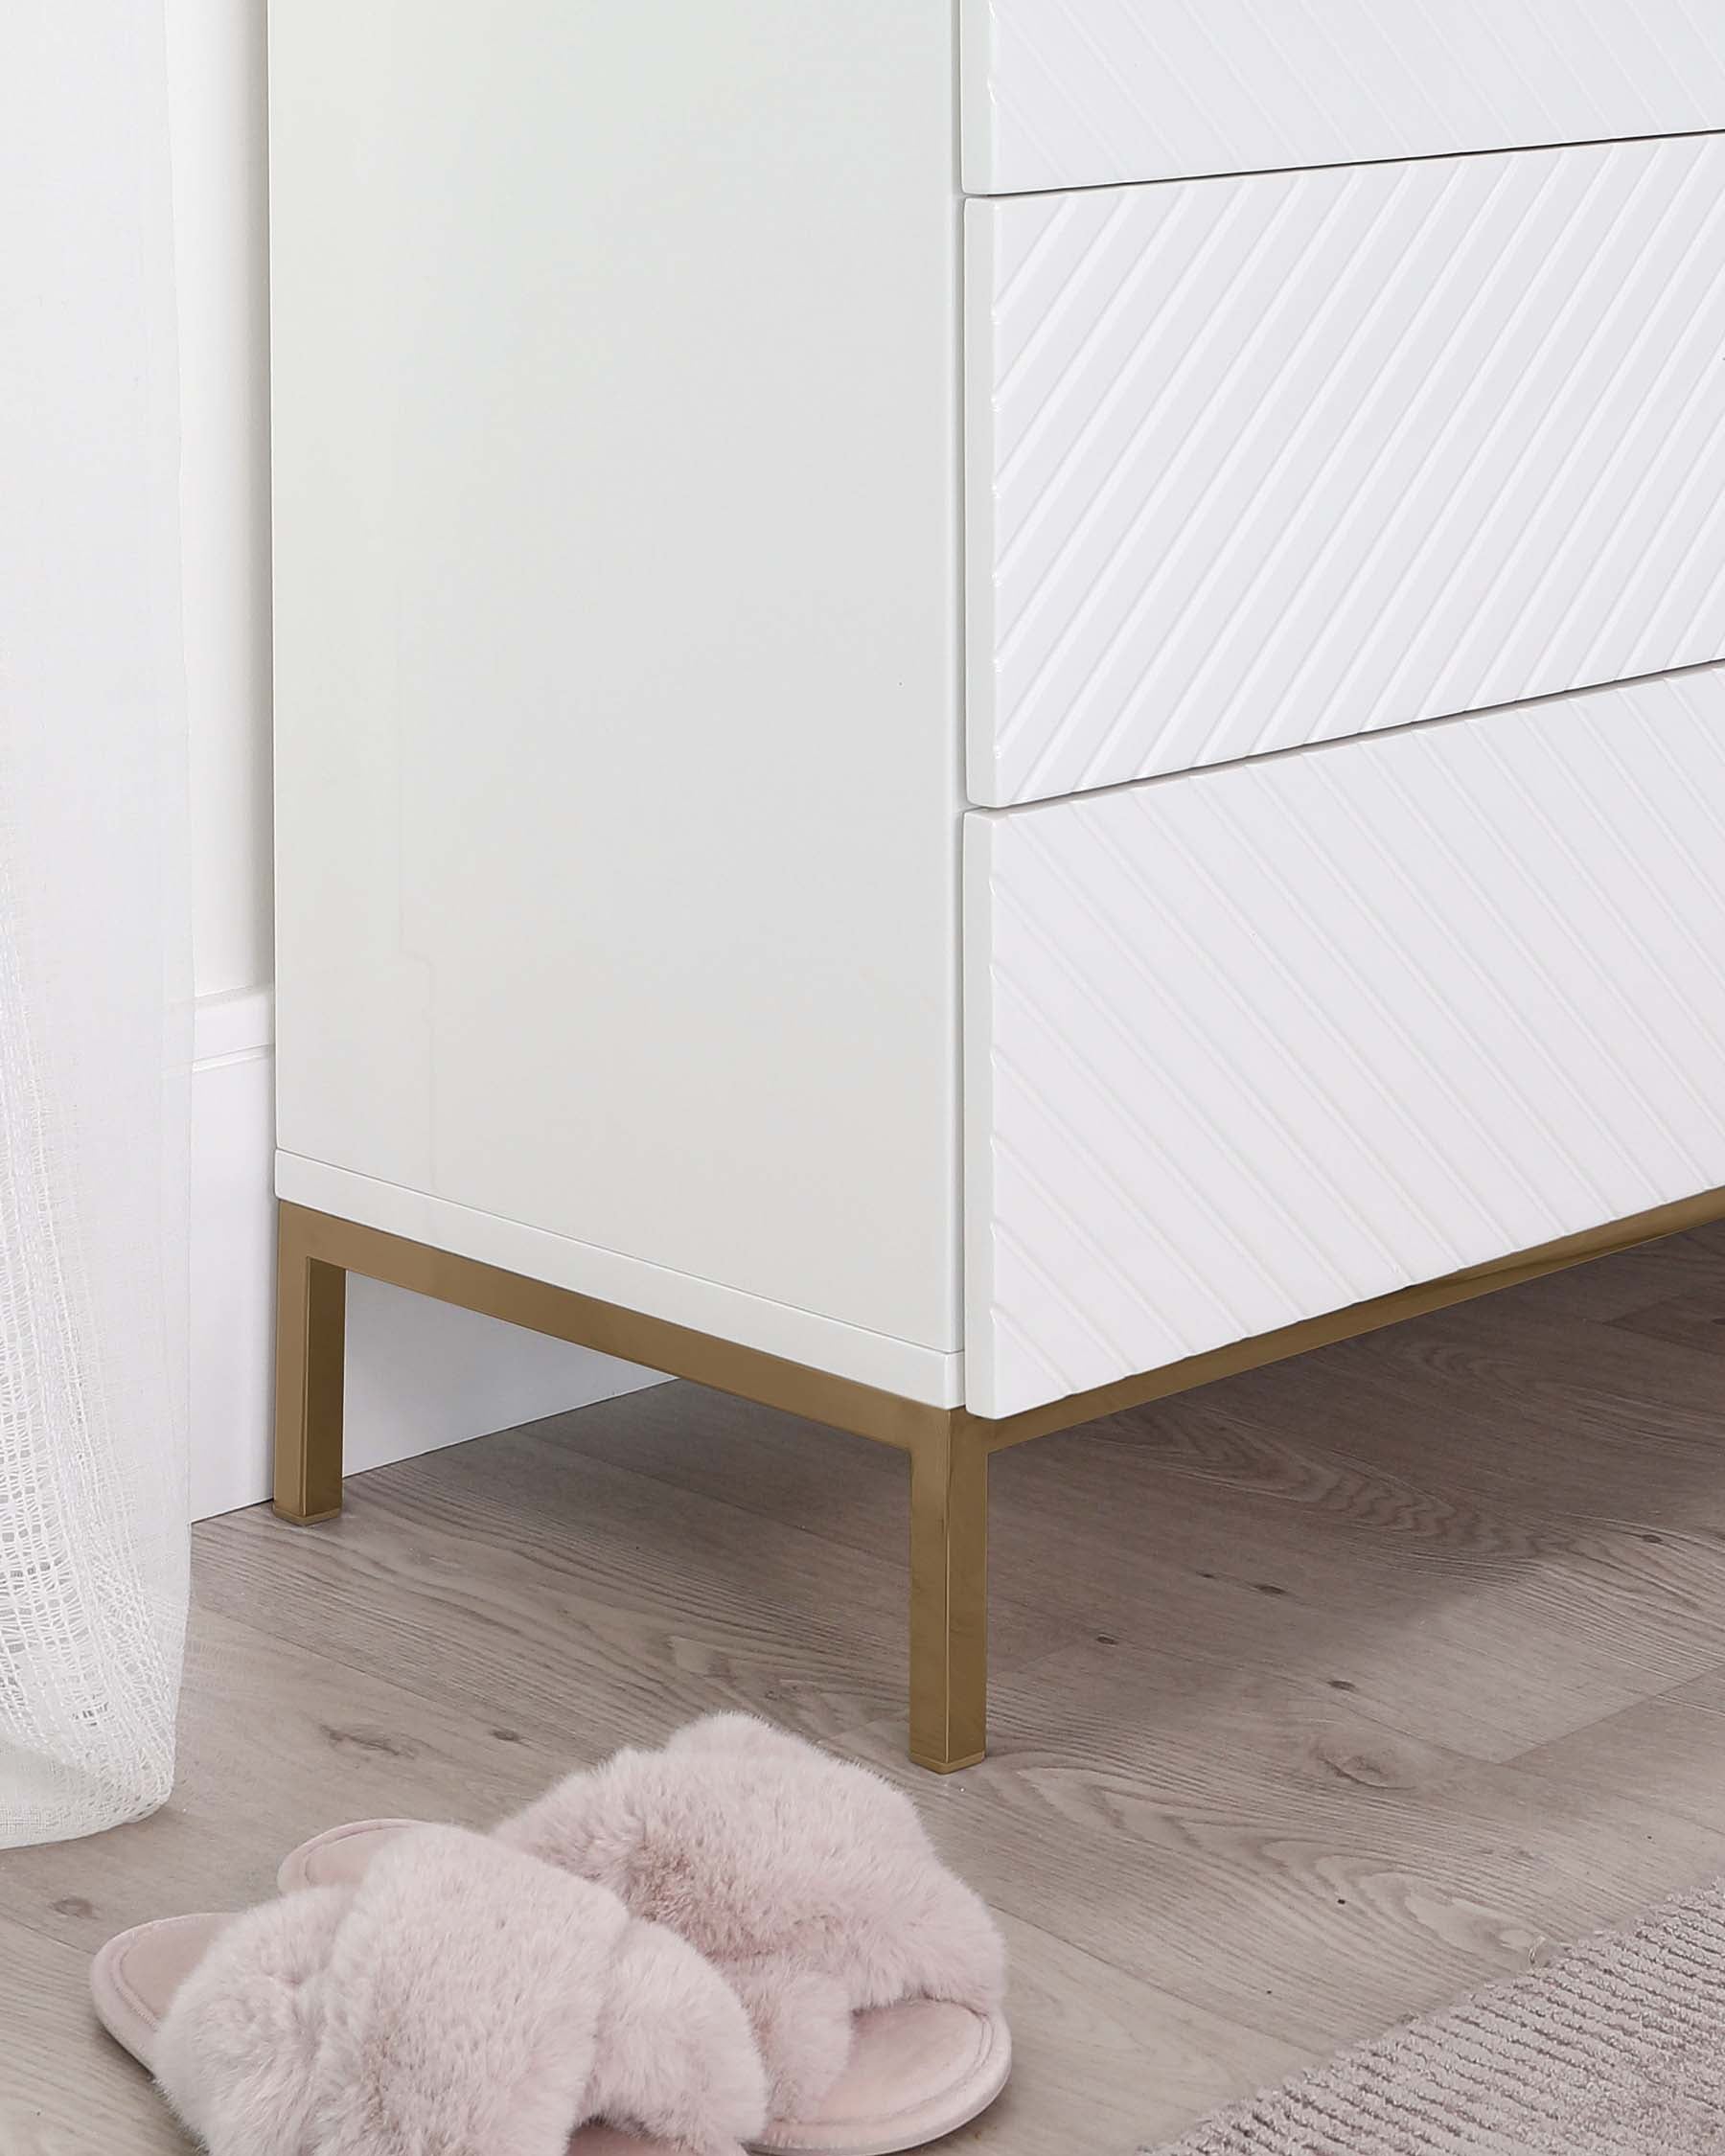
pixel 420 1375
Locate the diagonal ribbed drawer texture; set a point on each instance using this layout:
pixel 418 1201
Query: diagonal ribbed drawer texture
pixel 1077 93
pixel 1258 462
pixel 1246 1046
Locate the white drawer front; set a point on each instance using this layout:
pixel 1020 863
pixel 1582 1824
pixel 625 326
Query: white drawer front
pixel 1077 93
pixel 1258 462
pixel 1254 1044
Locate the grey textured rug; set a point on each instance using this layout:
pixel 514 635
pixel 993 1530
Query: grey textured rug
pixel 1617 2047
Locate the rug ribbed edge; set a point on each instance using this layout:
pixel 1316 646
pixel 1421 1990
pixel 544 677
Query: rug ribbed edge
pixel 1614 2048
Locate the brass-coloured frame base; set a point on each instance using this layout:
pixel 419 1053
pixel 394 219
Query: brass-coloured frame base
pixel 949 1598
pixel 310 1367
pixel 944 1766
pixel 947 1447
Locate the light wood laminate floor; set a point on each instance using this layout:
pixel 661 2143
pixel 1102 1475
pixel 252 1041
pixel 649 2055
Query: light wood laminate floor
pixel 1319 1696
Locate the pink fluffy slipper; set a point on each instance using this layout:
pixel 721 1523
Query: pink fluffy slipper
pixel 873 1977
pixel 461 1998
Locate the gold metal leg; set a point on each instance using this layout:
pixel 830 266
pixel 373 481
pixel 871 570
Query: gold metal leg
pixel 949 1447
pixel 311 1352
pixel 949 1595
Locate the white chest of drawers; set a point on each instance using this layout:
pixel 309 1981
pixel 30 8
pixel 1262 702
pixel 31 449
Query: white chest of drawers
pixel 782 869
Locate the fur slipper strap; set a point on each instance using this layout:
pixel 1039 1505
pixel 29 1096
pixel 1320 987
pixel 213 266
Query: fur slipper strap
pixel 807 1881
pixel 461 2000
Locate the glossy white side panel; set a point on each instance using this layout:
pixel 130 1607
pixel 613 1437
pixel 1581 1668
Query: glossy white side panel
pixel 800 1335
pixel 616 459
pixel 1248 1045
pixel 1258 462
pixel 1074 93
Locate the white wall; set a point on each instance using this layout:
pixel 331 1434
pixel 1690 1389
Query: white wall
pixel 419 1375
pixel 217 87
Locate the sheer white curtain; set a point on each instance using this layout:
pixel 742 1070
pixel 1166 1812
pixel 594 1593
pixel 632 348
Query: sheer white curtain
pixel 94 961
